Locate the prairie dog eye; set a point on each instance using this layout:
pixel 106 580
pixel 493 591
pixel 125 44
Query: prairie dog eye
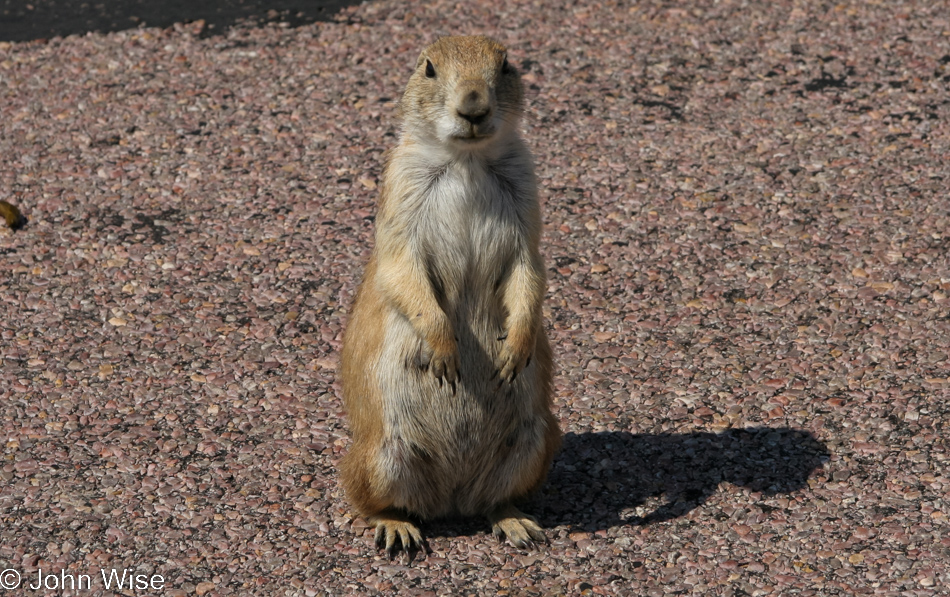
pixel 430 70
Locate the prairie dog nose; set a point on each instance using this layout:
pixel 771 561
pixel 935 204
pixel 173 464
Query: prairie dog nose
pixel 474 103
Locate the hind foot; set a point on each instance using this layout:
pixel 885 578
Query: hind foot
pixel 390 527
pixel 522 530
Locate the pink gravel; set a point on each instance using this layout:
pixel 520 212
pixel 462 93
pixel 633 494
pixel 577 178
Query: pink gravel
pixel 748 240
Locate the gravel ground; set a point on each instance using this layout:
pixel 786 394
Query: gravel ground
pixel 748 240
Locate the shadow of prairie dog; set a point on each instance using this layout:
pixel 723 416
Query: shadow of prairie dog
pixel 446 367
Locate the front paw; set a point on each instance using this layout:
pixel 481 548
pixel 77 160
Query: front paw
pixel 445 366
pixel 512 361
pixel 444 363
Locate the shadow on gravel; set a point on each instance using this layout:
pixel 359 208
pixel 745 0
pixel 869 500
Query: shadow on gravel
pixel 603 480
pixel 600 480
pixel 24 20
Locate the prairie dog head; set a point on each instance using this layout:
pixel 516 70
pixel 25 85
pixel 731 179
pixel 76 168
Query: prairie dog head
pixel 463 93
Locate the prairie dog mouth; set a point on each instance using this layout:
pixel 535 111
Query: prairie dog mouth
pixel 472 138
pixel 474 133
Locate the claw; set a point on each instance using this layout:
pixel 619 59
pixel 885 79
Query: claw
pixel 524 544
pixel 419 542
pixel 404 539
pixel 391 547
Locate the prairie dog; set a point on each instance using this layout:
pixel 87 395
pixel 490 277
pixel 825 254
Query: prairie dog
pixel 11 215
pixel 446 367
